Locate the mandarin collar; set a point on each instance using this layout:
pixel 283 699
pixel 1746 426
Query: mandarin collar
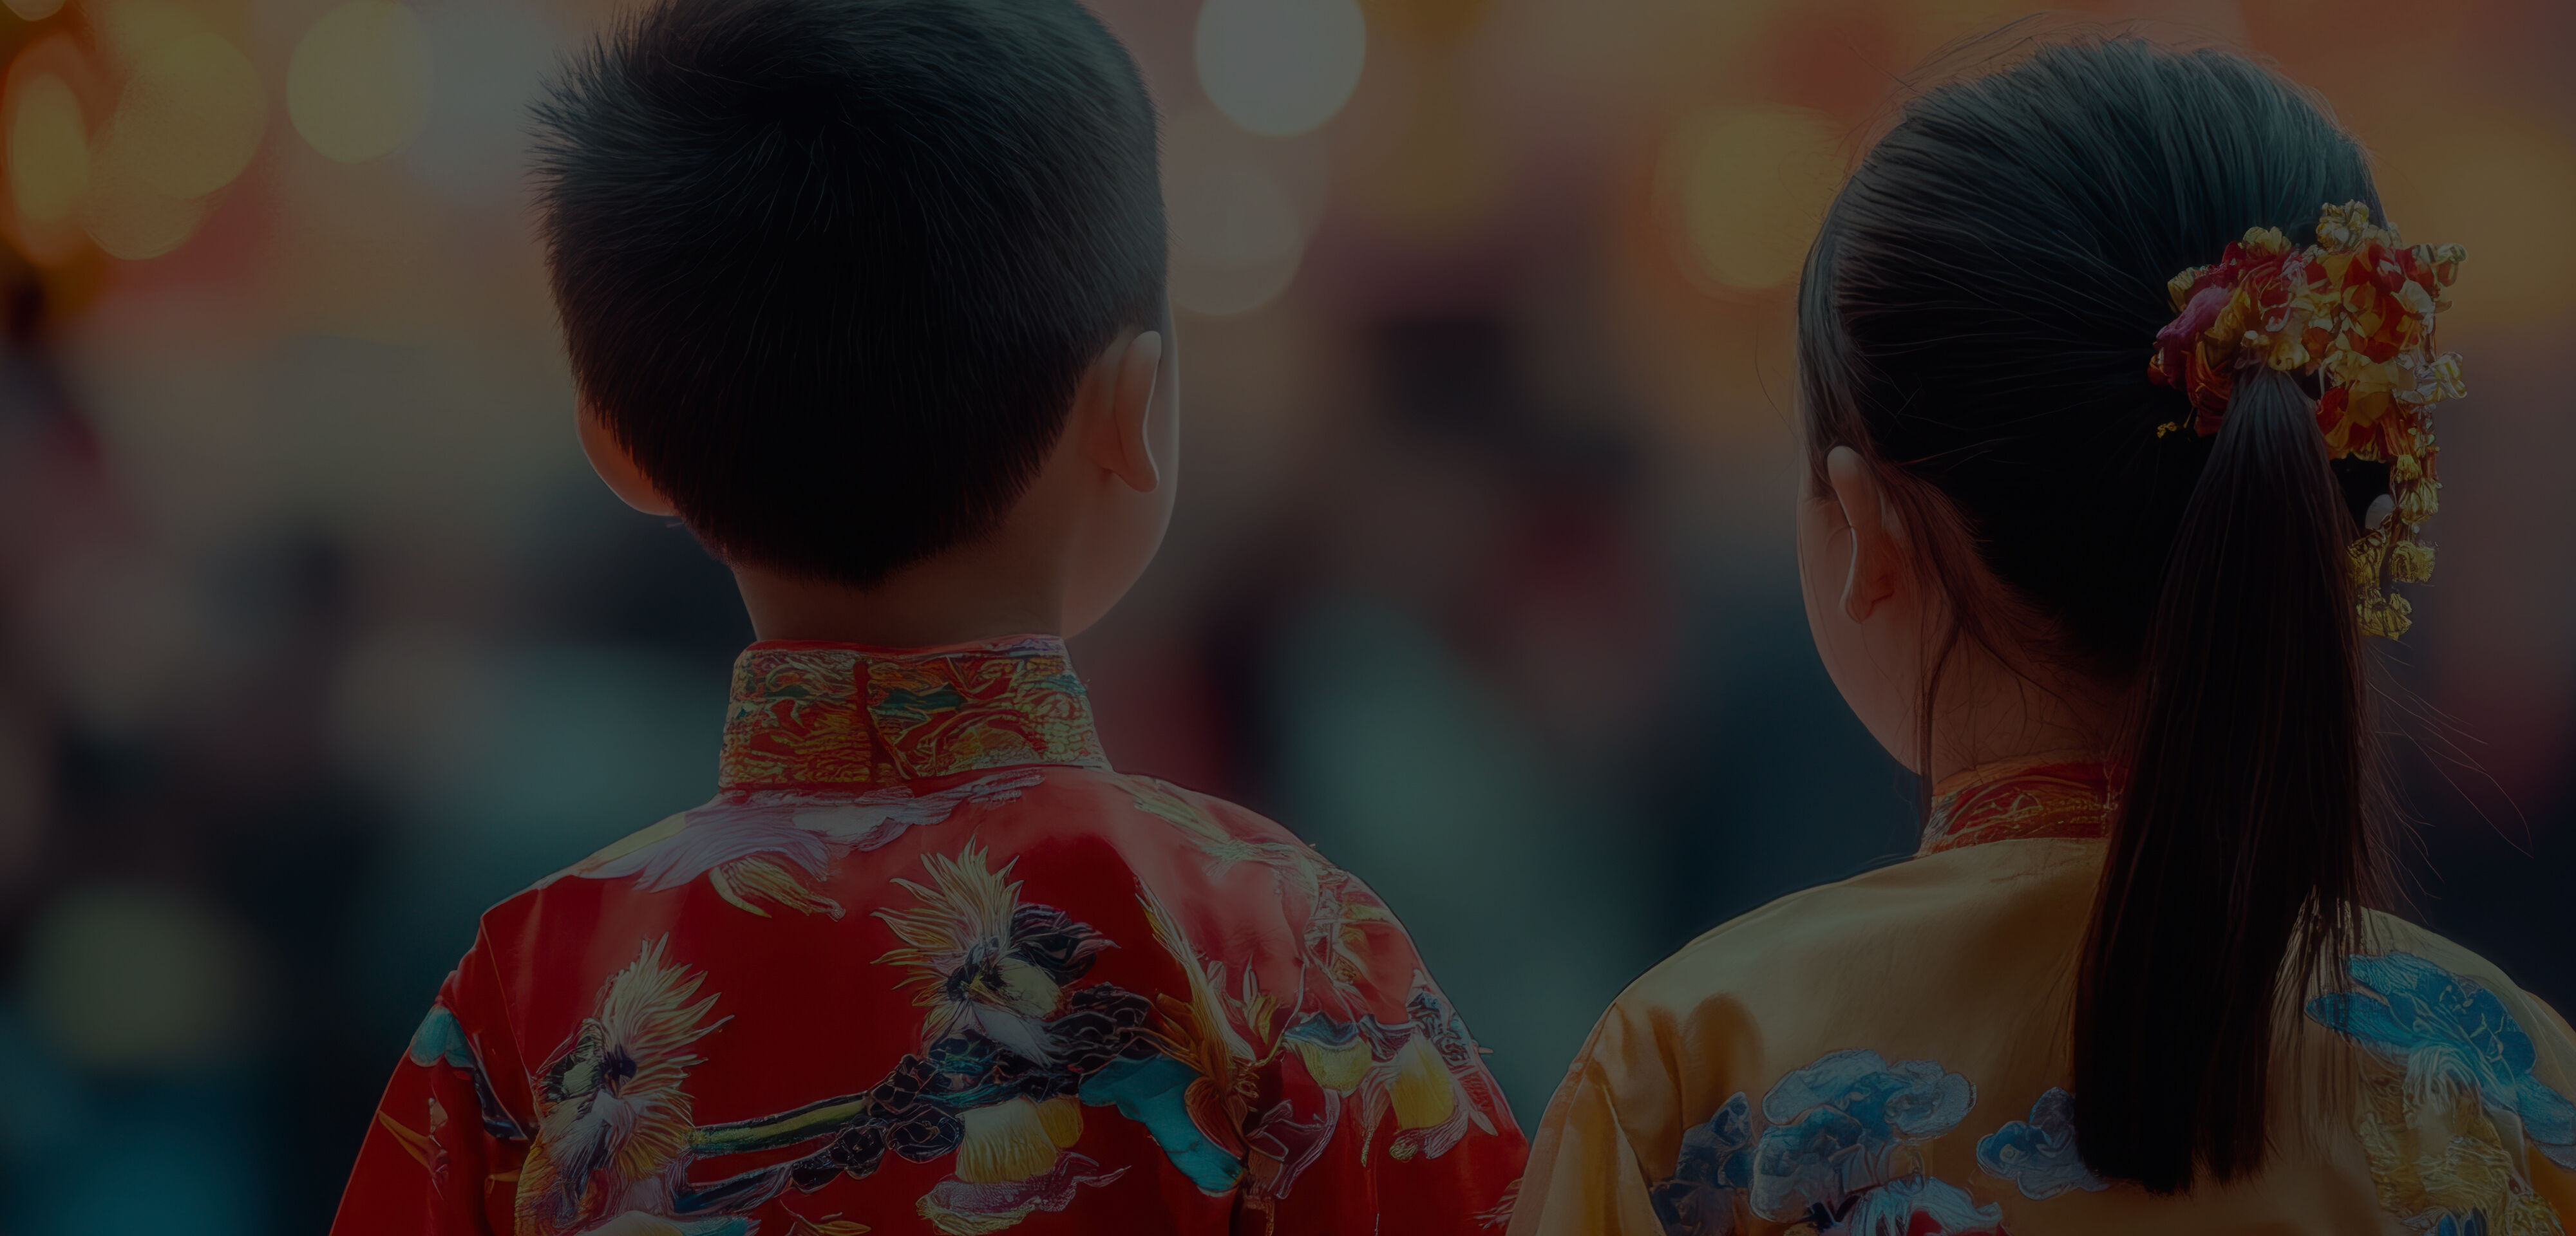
pixel 2051 796
pixel 811 715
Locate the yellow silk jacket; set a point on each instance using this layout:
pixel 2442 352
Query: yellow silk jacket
pixel 1887 1056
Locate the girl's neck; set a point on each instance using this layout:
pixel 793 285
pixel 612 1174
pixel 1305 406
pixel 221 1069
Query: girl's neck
pixel 1988 713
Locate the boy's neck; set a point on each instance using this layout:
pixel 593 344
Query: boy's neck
pixel 965 595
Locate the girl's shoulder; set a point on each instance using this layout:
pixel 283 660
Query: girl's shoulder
pixel 1911 961
pixel 2464 1108
pixel 1918 921
pixel 2408 972
pixel 2405 988
pixel 2382 932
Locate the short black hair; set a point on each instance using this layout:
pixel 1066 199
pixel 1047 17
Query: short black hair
pixel 831 270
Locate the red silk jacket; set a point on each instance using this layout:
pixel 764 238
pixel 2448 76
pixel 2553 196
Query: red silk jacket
pixel 927 964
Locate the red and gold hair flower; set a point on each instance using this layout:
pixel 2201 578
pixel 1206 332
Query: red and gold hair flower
pixel 2356 311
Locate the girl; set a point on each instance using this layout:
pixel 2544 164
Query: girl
pixel 2117 405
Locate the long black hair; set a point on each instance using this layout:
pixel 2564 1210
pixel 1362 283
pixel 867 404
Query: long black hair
pixel 1976 319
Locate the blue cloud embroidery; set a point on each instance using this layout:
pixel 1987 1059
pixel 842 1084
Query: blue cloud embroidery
pixel 2038 1155
pixel 1831 1151
pixel 2444 1027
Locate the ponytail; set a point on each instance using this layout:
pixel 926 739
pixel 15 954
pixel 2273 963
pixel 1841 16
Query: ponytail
pixel 2245 840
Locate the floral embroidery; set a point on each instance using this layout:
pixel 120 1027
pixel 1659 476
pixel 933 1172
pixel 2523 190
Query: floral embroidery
pixel 817 716
pixel 1839 1153
pixel 2004 802
pixel 772 844
pixel 2039 1155
pixel 2447 1088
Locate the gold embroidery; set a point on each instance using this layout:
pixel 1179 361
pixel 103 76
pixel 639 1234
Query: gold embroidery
pixel 2443 1154
pixel 836 716
pixel 2003 802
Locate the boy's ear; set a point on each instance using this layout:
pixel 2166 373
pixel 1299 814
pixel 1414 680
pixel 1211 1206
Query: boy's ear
pixel 1124 378
pixel 1877 542
pixel 617 468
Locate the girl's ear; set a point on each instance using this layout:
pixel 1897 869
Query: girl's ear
pixel 618 469
pixel 1878 541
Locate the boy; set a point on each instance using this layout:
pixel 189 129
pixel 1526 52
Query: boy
pixel 869 293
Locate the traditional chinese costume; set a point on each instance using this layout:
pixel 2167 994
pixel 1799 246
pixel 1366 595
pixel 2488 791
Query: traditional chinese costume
pixel 1886 1056
pixel 928 964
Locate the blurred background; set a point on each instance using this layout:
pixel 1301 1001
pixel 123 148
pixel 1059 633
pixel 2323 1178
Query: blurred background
pixel 317 637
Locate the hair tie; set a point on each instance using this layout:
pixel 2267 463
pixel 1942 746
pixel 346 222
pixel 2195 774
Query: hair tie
pixel 2356 310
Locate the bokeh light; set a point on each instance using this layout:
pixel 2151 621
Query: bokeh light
pixel 1238 226
pixel 1432 168
pixel 358 84
pixel 1748 186
pixel 130 28
pixel 128 977
pixel 1280 67
pixel 192 114
pixel 1234 213
pixel 48 150
pixel 187 123
pixel 128 215
pixel 2497 182
pixel 1235 238
pixel 488 57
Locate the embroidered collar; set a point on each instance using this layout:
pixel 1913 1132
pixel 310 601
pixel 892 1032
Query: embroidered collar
pixel 834 716
pixel 2047 797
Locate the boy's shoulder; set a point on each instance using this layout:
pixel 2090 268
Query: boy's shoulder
pixel 1059 830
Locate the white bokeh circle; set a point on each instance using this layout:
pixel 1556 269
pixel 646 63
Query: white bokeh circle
pixel 1280 67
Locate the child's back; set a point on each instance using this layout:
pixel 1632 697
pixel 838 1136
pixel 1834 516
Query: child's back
pixel 869 293
pixel 927 957
pixel 1890 1052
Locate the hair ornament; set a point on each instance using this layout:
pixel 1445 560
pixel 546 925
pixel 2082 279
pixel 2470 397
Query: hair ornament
pixel 2354 310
